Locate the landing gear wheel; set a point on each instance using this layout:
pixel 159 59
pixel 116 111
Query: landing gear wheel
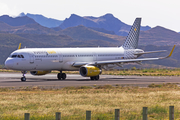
pixel 23 79
pixel 61 76
pixel 96 77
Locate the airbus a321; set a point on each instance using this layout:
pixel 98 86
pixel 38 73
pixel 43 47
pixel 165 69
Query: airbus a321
pixel 88 61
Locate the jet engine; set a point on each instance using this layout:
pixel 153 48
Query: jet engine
pixel 89 71
pixel 39 72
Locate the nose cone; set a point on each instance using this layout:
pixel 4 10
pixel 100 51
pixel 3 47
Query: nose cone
pixel 9 63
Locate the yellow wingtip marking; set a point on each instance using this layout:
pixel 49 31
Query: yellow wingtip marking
pixel 171 51
pixel 19 46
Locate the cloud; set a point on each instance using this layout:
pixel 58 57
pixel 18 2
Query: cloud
pixel 8 10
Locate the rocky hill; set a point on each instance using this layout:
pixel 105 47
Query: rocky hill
pixel 44 21
pixel 159 36
pixel 107 22
pixel 83 33
pixel 23 25
pixel 17 21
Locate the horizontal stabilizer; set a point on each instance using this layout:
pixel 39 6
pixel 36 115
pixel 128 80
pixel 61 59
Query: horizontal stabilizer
pixel 149 52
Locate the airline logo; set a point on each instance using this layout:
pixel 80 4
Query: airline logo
pixel 51 52
pixel 44 52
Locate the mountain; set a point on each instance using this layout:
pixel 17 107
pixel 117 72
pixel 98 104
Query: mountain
pixel 23 25
pixel 83 33
pixel 108 22
pixel 103 30
pixel 159 36
pixel 18 21
pixel 29 28
pixel 44 21
pixel 51 40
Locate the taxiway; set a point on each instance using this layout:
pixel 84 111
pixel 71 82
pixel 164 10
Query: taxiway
pixel 13 80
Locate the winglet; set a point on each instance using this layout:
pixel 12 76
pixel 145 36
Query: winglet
pixel 171 52
pixel 19 47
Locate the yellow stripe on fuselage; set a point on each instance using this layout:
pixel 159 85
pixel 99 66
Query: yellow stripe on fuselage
pixel 51 52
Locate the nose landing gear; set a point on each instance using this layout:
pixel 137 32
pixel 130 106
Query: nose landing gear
pixel 23 79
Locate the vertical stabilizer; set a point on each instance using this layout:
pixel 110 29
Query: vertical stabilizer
pixel 131 41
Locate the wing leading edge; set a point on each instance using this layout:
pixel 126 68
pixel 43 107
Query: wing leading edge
pixel 78 64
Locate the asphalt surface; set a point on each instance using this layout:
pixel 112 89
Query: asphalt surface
pixel 13 80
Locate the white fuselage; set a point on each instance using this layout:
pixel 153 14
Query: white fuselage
pixel 63 58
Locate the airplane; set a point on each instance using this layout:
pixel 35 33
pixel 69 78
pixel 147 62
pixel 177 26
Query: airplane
pixel 88 61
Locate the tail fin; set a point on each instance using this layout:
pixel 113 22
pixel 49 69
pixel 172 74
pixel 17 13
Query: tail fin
pixel 133 36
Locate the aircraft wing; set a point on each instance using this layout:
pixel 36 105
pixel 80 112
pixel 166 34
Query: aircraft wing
pixel 78 64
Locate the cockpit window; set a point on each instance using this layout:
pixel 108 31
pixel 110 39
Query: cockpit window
pixel 17 56
pixel 22 56
pixel 13 56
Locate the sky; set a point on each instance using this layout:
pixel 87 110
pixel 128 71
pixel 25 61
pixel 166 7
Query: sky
pixel 165 13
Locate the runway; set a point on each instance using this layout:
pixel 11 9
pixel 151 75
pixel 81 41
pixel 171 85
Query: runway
pixel 13 80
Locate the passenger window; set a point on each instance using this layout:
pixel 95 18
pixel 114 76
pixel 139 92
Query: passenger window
pixel 19 56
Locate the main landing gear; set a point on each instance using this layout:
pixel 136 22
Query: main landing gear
pixel 23 79
pixel 61 76
pixel 95 78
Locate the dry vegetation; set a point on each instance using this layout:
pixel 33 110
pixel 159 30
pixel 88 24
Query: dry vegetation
pixel 101 100
pixel 145 72
pixel 133 71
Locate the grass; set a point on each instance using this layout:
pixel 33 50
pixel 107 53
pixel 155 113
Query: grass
pixel 145 72
pixel 73 102
pixel 133 71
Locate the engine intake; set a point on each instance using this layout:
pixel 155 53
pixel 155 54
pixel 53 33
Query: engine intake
pixel 39 72
pixel 89 71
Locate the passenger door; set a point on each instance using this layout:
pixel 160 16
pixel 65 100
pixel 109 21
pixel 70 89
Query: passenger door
pixel 94 57
pixel 31 58
pixel 60 57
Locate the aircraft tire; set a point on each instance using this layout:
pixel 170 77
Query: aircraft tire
pixel 23 79
pixel 59 76
pixel 96 77
pixel 63 76
pixel 92 78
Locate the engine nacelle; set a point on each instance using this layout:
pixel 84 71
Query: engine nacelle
pixel 39 72
pixel 89 71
